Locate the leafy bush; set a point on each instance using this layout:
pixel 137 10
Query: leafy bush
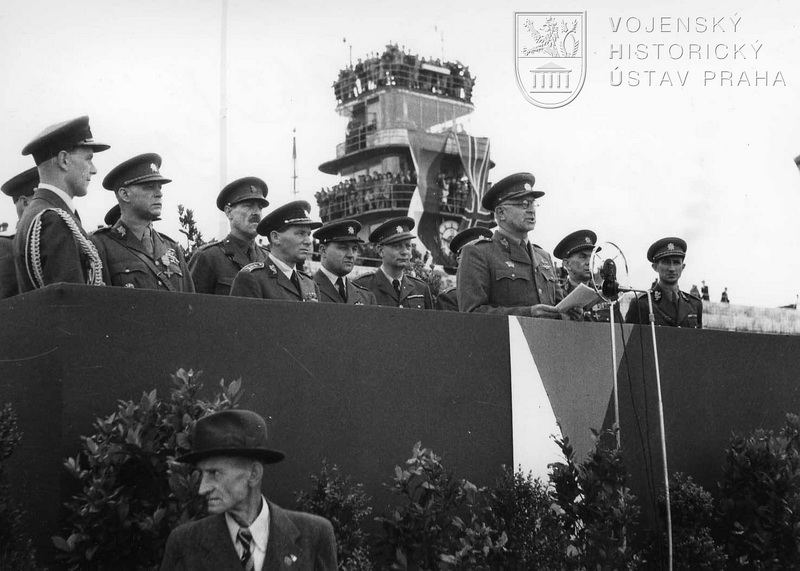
pixel 16 546
pixel 693 517
pixel 760 498
pixel 523 508
pixel 346 506
pixel 134 493
pixel 438 522
pixel 596 507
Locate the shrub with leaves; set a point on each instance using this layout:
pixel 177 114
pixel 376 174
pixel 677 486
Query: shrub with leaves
pixel 16 546
pixel 597 509
pixel 134 492
pixel 438 522
pixel 760 498
pixel 194 238
pixel 346 506
pixel 522 507
pixel 693 513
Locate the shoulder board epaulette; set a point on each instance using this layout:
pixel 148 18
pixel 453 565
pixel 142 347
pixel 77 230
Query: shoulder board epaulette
pixel 448 290
pixel 696 297
pixel 364 276
pixel 208 245
pixel 641 295
pixel 357 285
pixel 417 279
pixel 101 230
pixel 253 266
pixel 9 236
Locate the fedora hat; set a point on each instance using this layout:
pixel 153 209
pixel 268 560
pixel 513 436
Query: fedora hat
pixel 231 433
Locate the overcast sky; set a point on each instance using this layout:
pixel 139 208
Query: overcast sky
pixel 707 161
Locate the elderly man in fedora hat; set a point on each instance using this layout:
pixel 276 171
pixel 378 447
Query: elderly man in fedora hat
pixel 244 530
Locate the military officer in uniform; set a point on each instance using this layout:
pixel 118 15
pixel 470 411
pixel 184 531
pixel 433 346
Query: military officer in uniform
pixel 575 251
pixel 135 255
pixel 215 265
pixel 20 188
pixel 338 248
pixel 288 230
pixel 447 300
pixel 51 245
pixel 508 275
pixel 671 306
pixel 390 284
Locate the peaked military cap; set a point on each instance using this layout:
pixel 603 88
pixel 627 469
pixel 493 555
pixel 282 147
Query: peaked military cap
pixel 292 214
pixel 466 236
pixel 21 185
pixel 231 433
pixel 339 231
pixel 247 188
pixel 575 242
pixel 513 186
pixel 112 215
pixel 137 170
pixel 63 136
pixel 665 248
pixel 393 230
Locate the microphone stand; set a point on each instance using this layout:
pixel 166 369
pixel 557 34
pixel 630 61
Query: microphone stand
pixel 651 317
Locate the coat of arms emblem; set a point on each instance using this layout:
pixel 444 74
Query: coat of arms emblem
pixel 551 56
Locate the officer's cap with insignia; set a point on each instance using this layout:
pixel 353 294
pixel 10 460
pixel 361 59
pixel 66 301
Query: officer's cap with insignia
pixel 21 185
pixel 339 231
pixel 575 242
pixel 112 215
pixel 64 136
pixel 292 214
pixel 665 248
pixel 137 170
pixel 466 236
pixel 517 185
pixel 247 188
pixel 393 230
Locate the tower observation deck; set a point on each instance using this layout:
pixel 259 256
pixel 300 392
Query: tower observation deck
pixel 405 151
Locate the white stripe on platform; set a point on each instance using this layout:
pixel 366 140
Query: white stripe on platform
pixel 533 421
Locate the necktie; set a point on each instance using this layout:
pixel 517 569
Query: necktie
pixel 396 285
pixel 296 281
pixel 341 288
pixel 147 241
pixel 528 249
pixel 244 537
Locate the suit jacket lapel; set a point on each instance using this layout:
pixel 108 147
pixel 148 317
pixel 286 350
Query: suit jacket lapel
pixel 385 285
pixel 56 201
pixel 124 236
pixel 326 287
pixel 232 251
pixel 220 552
pixel 283 536
pixel 287 284
pixel 516 252
pixel 684 308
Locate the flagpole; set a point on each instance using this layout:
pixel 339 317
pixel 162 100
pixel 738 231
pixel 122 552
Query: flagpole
pixel 223 112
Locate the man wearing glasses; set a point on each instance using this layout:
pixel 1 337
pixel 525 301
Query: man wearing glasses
pixel 507 274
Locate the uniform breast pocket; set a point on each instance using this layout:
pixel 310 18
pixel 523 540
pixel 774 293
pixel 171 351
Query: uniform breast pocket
pixel 416 301
pixel 128 274
pixel 512 285
pixel 691 320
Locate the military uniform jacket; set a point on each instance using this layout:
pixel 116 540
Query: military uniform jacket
pixel 448 300
pixel 687 313
pixel 62 258
pixel 126 263
pixel 264 280
pixel 214 266
pixel 297 542
pixel 8 272
pixel 414 293
pixel 496 276
pixel 356 295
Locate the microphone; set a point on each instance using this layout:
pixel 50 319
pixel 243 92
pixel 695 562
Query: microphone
pixel 608 272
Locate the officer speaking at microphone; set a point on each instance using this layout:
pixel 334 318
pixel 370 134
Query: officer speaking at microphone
pixel 509 275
